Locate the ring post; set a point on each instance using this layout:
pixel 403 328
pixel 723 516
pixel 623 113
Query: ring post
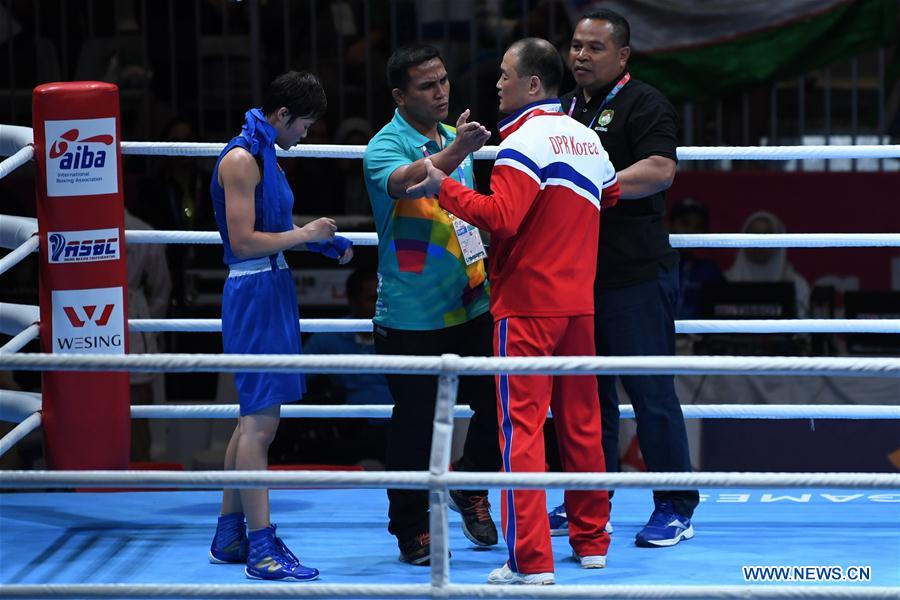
pixel 441 442
pixel 83 278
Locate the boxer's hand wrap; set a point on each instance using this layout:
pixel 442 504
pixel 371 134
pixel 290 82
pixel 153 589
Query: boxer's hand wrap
pixel 333 249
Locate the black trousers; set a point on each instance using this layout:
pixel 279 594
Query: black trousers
pixel 638 320
pixel 409 437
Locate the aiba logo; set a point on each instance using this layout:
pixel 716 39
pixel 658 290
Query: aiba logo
pixel 83 246
pixel 81 157
pixel 88 321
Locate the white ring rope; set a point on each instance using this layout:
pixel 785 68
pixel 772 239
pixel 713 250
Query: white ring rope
pixel 784 240
pixel 16 406
pixel 710 240
pixel 418 590
pixel 18 432
pixel 490 152
pixel 686 326
pixel 694 240
pixel 21 339
pixel 18 254
pixel 449 480
pixel 21 157
pixel 13 138
pixel 15 318
pixel 692 326
pixel 147 236
pixel 17 230
pixel 425 365
pixel 17 137
pixel 787 152
pixel 626 411
pixel 16 142
pixel 705 240
pixel 214 325
pixel 788 326
pixel 31 403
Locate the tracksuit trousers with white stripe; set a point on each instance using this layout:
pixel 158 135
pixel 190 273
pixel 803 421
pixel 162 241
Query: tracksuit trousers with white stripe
pixel 523 401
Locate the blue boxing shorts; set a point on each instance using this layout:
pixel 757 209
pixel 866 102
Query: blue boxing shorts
pixel 260 316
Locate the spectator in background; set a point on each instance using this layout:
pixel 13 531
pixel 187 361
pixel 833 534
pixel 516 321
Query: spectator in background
pixel 548 19
pixel 768 264
pixel 149 289
pixel 176 197
pixel 691 216
pixel 186 183
pixel 446 26
pixel 362 293
pixel 361 439
pixel 352 40
pixel 36 55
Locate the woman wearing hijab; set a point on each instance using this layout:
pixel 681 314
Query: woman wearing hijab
pixel 768 264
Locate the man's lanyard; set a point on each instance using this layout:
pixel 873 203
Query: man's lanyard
pixel 612 94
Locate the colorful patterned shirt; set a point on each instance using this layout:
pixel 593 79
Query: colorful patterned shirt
pixel 423 281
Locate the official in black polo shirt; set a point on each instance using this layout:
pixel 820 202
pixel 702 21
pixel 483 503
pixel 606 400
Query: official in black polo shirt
pixel 636 289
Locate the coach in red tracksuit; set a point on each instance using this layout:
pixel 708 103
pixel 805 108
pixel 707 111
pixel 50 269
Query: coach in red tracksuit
pixel 544 215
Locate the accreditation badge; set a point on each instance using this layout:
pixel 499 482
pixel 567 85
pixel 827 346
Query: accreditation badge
pixel 470 241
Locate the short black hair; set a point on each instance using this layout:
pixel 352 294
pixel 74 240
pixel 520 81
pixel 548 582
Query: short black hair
pixel 356 280
pixel 405 57
pixel 539 57
pixel 621 30
pixel 300 92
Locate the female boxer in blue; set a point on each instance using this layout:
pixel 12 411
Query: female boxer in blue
pixel 253 207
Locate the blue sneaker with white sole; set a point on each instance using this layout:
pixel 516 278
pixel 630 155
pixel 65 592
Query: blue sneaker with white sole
pixel 270 559
pixel 559 521
pixel 230 544
pixel 665 528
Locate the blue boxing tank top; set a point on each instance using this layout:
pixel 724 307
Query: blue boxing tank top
pixel 273 198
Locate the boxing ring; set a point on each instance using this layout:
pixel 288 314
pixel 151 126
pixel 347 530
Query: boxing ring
pixel 839 533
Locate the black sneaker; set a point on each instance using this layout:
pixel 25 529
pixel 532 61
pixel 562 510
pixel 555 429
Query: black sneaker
pixel 416 550
pixel 476 513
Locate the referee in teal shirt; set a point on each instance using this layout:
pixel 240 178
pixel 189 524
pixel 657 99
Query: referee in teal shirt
pixel 432 292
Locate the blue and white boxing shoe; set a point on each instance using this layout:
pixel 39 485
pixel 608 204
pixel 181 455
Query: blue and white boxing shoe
pixel 665 528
